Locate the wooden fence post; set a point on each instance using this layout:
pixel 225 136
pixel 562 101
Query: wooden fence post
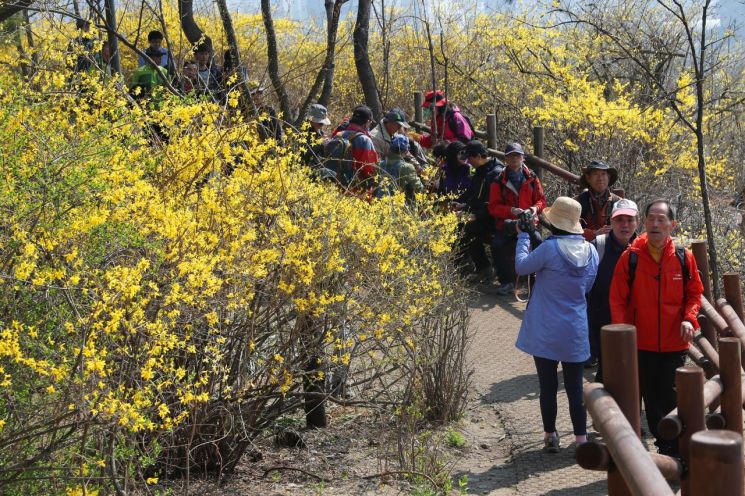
pixel 621 380
pixel 733 293
pixel 730 373
pixel 418 111
pixel 689 382
pixel 698 247
pixel 716 463
pixel 491 131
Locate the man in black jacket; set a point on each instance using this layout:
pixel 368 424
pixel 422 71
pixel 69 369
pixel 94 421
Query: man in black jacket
pixel 624 219
pixel 478 223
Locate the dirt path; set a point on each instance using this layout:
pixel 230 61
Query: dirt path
pixel 502 427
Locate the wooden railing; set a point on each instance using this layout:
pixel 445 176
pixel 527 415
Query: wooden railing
pixel 707 424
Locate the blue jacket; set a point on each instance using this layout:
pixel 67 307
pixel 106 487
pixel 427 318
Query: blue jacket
pixel 555 323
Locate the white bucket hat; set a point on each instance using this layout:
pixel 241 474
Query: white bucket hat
pixel 564 214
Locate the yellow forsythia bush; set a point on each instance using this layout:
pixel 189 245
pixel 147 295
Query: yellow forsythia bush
pixel 170 283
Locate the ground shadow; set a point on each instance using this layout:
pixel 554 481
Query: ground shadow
pixel 486 300
pixel 523 465
pixel 513 389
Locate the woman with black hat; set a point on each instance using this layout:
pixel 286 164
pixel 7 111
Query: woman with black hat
pixel 597 200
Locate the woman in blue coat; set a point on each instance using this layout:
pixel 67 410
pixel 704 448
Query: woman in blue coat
pixel 554 327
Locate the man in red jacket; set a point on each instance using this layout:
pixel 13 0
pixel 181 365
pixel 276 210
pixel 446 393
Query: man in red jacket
pixel 656 287
pixel 515 189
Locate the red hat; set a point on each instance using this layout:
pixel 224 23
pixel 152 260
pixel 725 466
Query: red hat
pixel 438 96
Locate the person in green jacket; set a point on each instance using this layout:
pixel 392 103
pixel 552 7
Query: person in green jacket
pixel 396 172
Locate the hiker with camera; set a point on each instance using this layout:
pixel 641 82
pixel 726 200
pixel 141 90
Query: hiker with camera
pixel 554 327
pixel 516 192
pixel 656 287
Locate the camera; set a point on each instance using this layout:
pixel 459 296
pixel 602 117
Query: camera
pixel 525 221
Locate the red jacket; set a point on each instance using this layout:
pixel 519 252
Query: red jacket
pixel 364 156
pixel 502 196
pixel 656 306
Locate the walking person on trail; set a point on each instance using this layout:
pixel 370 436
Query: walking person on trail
pixel 515 190
pixel 656 287
pixel 597 200
pixel 446 118
pixel 624 219
pixel 554 327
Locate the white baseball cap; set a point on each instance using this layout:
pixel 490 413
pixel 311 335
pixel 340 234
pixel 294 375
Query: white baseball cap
pixel 624 207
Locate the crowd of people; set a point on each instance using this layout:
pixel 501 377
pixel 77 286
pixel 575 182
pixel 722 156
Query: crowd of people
pixel 593 269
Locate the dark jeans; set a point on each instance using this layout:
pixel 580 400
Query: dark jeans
pixel 503 249
pixel 548 380
pixel 657 387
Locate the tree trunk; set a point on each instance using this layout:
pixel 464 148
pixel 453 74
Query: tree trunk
pixel 30 41
pixel 273 57
pixel 110 10
pixel 362 59
pixel 246 102
pixel 326 73
pixel 188 24
pixel 333 12
pixel 8 9
pixel 700 149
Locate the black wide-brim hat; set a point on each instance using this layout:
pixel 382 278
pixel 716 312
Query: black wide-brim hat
pixel 598 165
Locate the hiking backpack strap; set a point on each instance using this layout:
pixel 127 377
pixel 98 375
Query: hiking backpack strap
pixel 680 254
pixel 600 246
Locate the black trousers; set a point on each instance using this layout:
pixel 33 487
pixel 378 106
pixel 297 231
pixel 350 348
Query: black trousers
pixel 657 387
pixel 503 250
pixel 472 242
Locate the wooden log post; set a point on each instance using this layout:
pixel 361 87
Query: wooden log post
pixel 698 247
pixel 708 310
pixel 708 353
pixel 418 111
pixel 491 131
pixel 734 323
pixel 689 381
pixel 538 150
pixel 629 455
pixel 708 330
pixel 621 380
pixel 731 375
pixel 716 464
pixel 594 455
pixel 733 293
pixel 671 425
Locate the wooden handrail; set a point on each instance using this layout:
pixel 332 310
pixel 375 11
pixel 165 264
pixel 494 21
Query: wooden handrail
pixel 532 161
pixel 629 454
